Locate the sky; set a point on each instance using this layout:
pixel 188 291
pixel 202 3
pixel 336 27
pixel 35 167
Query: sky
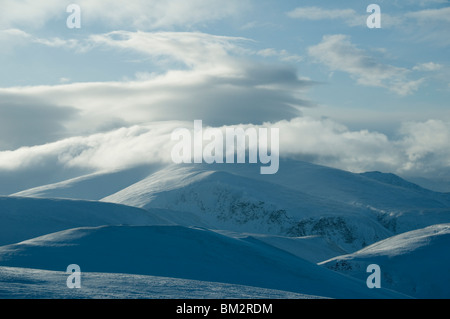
pixel 108 94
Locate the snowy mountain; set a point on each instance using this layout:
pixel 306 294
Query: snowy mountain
pixel 227 224
pixel 222 200
pixel 416 263
pixel 381 191
pixel 186 253
pixel 394 180
pixel 301 200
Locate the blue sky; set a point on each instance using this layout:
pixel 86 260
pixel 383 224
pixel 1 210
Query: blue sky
pixel 346 95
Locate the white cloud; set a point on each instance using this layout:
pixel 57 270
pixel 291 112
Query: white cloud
pixel 194 49
pixel 64 80
pixel 428 67
pixel 349 16
pixel 10 38
pixel 428 26
pixel 57 42
pixel 184 95
pixel 142 14
pixel 29 13
pixel 283 55
pixel 147 14
pixel 426 146
pixel 420 147
pixel 316 13
pixel 122 148
pixel 353 18
pixel 431 136
pixel 218 84
pixel 431 15
pixel 339 54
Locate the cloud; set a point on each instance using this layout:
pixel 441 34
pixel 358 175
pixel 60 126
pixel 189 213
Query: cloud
pixel 29 13
pixel 216 82
pixel 283 55
pixel 348 16
pixel 194 49
pixel 425 139
pixel 426 18
pixel 28 167
pixel 428 67
pixel 180 95
pixel 141 14
pixel 431 15
pixel 420 147
pixel 11 38
pixel 427 25
pixel 339 54
pixel 153 14
pixel 25 121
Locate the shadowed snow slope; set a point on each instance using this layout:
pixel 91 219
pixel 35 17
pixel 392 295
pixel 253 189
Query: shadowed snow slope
pixel 312 248
pixel 416 263
pixel 181 252
pixel 26 218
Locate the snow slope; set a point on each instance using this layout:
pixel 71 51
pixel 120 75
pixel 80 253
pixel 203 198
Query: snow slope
pixel 324 203
pixel 280 224
pixel 416 263
pixel 394 180
pixel 302 199
pixel 26 218
pixel 227 201
pixel 90 187
pixel 312 248
pixel 379 190
pixel 24 283
pixel 187 253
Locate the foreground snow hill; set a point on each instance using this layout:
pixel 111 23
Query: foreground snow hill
pixel 24 283
pixel 416 263
pixel 185 253
pixel 26 218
